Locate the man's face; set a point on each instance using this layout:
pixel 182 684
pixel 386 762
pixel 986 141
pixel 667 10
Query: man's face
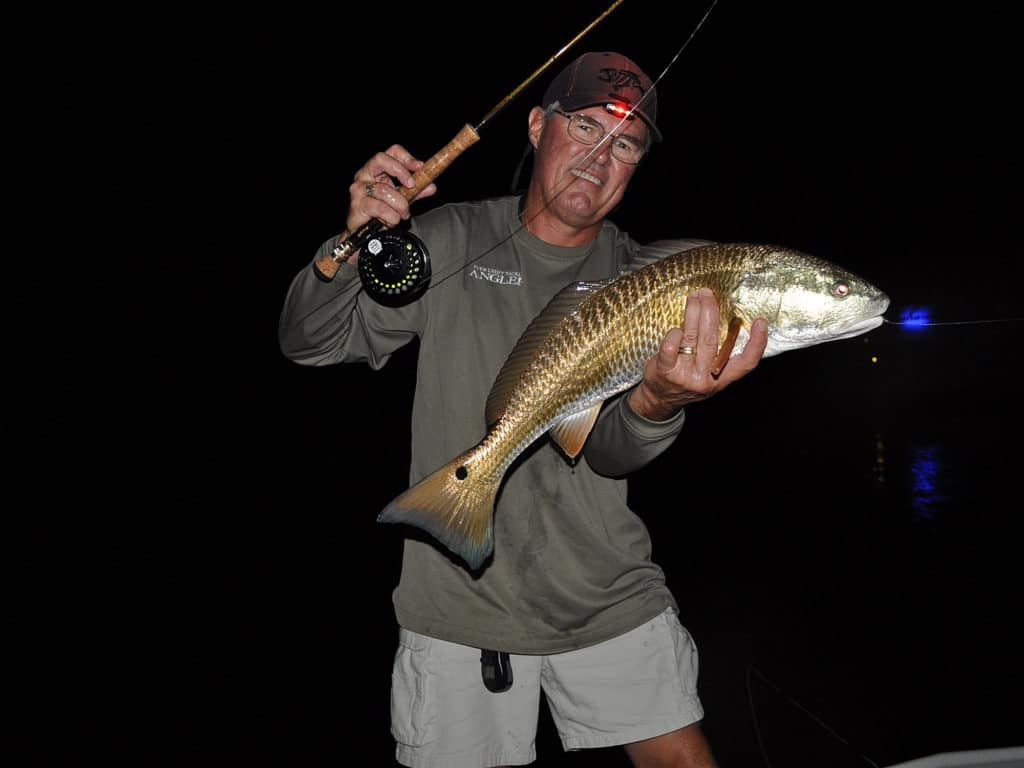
pixel 581 183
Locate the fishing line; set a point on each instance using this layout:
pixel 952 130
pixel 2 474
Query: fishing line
pixel 752 670
pixel 921 323
pixel 608 136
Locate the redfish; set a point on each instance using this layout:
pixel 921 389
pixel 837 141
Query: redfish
pixel 592 341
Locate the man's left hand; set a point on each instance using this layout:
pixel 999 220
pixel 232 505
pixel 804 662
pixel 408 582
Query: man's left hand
pixel 673 378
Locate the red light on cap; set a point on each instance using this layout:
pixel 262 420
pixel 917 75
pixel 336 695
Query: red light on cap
pixel 620 109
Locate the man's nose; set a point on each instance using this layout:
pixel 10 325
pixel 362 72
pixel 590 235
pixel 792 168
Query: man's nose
pixel 603 151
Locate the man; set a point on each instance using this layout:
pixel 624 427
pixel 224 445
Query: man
pixel 570 599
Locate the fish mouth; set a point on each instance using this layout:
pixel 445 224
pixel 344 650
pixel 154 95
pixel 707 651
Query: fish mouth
pixel 783 339
pixel 802 336
pixel 878 305
pixel 856 329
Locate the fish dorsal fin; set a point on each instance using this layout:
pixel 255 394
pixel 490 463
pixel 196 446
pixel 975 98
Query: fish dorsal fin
pixel 659 249
pixel 563 304
pixel 571 432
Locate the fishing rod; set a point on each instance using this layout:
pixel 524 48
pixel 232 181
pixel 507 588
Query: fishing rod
pixel 394 266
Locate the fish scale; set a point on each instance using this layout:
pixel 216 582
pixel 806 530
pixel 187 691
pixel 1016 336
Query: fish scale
pixel 593 341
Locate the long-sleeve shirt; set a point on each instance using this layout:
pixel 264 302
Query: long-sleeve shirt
pixel 572 562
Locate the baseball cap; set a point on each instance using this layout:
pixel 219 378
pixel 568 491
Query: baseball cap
pixel 605 77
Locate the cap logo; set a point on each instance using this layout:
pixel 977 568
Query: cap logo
pixel 620 78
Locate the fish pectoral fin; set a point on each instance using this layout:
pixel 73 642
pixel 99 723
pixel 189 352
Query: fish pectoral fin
pixel 571 432
pixel 725 351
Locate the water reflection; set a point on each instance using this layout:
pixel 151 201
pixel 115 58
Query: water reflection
pixel 925 483
pixel 925 466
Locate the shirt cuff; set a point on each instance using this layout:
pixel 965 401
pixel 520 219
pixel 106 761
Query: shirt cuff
pixel 648 429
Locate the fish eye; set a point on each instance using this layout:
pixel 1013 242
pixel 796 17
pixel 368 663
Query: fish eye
pixel 841 290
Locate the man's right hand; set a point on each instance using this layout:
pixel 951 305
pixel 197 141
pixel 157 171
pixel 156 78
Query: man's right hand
pixel 374 192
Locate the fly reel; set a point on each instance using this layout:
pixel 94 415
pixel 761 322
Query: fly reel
pixel 394 267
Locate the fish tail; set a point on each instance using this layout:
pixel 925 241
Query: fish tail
pixel 454 506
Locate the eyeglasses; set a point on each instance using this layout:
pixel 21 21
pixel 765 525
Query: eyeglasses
pixel 586 130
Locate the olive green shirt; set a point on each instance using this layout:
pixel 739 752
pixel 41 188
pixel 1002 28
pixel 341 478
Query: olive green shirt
pixel 572 562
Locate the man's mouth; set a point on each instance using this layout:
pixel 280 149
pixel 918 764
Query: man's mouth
pixel 580 174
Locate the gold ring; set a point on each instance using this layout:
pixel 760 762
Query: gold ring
pixel 687 350
pixel 369 189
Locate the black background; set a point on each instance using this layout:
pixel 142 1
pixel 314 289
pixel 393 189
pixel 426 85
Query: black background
pixel 197 574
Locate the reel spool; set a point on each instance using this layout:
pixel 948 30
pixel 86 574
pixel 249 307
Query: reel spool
pixel 394 267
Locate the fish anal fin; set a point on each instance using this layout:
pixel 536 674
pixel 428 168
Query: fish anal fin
pixel 571 432
pixel 725 351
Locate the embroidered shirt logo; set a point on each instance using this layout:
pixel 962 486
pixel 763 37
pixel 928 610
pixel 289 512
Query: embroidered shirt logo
pixel 499 276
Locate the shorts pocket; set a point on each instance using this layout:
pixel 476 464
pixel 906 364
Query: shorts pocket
pixel 685 651
pixel 411 719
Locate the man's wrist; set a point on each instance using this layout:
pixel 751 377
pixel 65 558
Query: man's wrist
pixel 651 408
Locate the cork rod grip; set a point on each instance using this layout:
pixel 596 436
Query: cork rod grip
pixel 329 264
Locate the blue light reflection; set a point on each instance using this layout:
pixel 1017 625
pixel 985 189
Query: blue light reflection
pixel 915 317
pixel 925 496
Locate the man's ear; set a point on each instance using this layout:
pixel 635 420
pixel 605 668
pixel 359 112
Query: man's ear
pixel 535 125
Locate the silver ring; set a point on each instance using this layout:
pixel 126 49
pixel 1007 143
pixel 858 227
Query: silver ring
pixel 687 350
pixel 369 189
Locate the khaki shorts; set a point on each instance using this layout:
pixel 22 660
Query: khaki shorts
pixel 633 687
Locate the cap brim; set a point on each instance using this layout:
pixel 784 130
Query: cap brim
pixel 571 105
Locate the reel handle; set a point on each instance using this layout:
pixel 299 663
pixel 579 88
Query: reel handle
pixel 349 243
